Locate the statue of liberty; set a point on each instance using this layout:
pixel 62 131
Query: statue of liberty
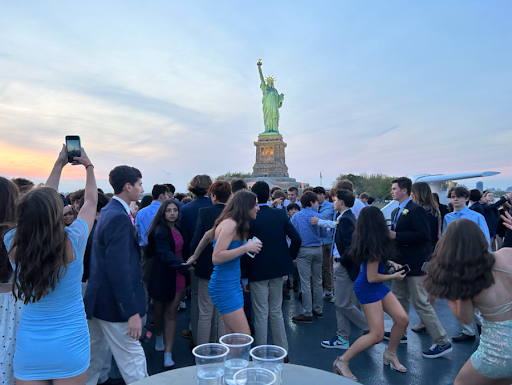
pixel 272 101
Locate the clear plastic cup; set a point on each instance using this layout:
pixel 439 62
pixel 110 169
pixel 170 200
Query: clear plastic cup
pixel 210 359
pixel 238 357
pixel 255 376
pixel 269 357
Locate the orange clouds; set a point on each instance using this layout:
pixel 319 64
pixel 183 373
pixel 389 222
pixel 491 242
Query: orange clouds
pixel 30 163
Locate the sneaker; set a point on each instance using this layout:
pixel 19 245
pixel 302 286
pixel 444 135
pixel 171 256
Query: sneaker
pixel 328 294
pixel 333 299
pixel 303 319
pixel 335 342
pixel 168 362
pixel 437 351
pixel 183 305
pixel 159 344
pixel 186 334
pixel 403 340
pixel 318 315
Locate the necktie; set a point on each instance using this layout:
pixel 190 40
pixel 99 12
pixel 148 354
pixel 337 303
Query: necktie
pixel 131 218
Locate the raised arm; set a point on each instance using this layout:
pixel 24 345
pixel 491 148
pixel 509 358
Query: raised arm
pixel 88 210
pixel 261 77
pixel 54 178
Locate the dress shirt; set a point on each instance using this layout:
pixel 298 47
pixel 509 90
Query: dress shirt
pixel 143 221
pixel 326 210
pixel 400 208
pixel 126 207
pixel 334 248
pixel 287 202
pixel 311 235
pixel 471 215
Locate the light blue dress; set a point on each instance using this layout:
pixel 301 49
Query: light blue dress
pixel 52 341
pixel 225 288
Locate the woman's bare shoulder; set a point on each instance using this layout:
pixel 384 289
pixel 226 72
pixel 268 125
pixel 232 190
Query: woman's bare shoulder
pixel 503 259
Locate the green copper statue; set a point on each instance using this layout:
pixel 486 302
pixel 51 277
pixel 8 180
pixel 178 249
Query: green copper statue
pixel 272 101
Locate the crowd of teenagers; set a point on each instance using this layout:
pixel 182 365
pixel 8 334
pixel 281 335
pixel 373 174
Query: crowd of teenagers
pixel 79 273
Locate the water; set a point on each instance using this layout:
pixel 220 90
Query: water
pixel 276 368
pixel 232 366
pixel 210 376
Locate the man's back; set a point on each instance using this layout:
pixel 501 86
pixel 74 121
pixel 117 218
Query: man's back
pixel 189 214
pixel 477 206
pixel 271 227
pixel 115 291
pixel 311 235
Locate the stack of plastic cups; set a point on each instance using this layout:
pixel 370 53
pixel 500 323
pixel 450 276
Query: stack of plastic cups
pixel 255 376
pixel 269 357
pixel 210 359
pixel 238 357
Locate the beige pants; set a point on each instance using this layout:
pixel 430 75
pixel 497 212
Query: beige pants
pixel 309 264
pixel 210 325
pixel 128 353
pixel 194 305
pixel 411 288
pixel 267 301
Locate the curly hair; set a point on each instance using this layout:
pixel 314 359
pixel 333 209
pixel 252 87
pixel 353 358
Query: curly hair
pixel 238 209
pixel 461 266
pixel 39 244
pixel 371 241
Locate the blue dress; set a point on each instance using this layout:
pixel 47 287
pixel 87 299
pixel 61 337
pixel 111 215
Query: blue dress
pixel 367 292
pixel 52 341
pixel 225 289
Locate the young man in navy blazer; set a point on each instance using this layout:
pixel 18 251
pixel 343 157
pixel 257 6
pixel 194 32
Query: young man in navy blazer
pixel 411 230
pixel 265 272
pixel 114 299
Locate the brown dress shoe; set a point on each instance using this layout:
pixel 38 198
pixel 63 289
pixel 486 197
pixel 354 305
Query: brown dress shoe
pixel 303 319
pixel 286 360
pixel 186 334
pixel 286 294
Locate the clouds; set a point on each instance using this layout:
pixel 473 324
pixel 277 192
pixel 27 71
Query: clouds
pixel 396 88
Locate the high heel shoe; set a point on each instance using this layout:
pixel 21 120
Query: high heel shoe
pixel 338 370
pixel 389 359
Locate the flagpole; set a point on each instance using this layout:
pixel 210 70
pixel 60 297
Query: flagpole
pixel 321 179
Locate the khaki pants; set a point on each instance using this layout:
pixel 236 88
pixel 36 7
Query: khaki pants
pixel 411 288
pixel 345 302
pixel 327 274
pixel 210 324
pixel 128 353
pixel 267 301
pixel 309 264
pixel 194 305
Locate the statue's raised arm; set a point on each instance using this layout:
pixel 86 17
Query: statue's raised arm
pixel 261 74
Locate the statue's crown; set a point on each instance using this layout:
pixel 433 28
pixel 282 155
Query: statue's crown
pixel 271 78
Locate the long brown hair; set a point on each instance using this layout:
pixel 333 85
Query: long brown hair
pixel 8 197
pixel 461 266
pixel 159 221
pixel 39 244
pixel 423 196
pixel 238 209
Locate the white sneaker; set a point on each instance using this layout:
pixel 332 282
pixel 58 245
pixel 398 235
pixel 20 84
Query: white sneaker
pixel 159 344
pixel 328 294
pixel 168 362
pixel 183 305
pixel 333 299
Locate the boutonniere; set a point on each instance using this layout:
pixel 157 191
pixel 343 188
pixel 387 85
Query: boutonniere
pixel 405 211
pixel 336 224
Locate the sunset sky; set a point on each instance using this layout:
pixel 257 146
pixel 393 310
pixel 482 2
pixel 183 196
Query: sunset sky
pixel 172 88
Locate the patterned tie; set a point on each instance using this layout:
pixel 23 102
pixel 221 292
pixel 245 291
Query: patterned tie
pixel 131 218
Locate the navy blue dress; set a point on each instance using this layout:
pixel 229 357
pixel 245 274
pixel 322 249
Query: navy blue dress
pixel 367 292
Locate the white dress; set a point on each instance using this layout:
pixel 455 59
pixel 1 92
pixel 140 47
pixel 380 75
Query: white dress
pixel 10 313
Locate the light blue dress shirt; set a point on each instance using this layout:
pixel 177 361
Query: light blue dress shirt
pixel 326 210
pixel 311 235
pixel 400 208
pixel 143 221
pixel 471 215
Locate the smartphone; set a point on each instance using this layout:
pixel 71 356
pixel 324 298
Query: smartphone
pixel 145 336
pixel 73 147
pixel 405 268
pixel 256 240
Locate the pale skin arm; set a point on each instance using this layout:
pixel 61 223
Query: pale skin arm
pixel 277 202
pixel 373 276
pixel 224 234
pixel 463 310
pixel 507 220
pixel 199 249
pixel 88 210
pixel 54 178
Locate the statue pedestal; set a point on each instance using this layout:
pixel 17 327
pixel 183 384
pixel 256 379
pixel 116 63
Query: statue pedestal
pixel 270 163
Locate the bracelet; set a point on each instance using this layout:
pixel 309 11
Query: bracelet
pixel 86 167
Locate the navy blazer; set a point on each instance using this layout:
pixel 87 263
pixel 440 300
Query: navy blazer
pixel 115 291
pixel 205 221
pixel 343 240
pixel 413 238
pixel 189 214
pixel 477 206
pixel 275 259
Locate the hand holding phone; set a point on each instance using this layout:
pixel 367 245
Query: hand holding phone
pixel 254 246
pixel 405 268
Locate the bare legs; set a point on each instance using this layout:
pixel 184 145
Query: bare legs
pixel 76 380
pixel 374 313
pixel 468 375
pixel 236 322
pixel 169 310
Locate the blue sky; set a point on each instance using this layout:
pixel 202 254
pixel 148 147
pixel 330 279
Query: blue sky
pixel 391 87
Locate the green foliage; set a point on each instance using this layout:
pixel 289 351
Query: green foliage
pixel 376 185
pixel 233 175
